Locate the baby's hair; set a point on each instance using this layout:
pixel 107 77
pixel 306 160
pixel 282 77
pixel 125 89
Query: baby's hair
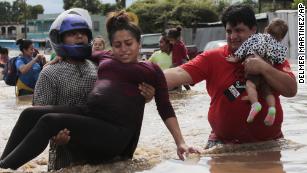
pixel 174 33
pixel 120 21
pixel 277 28
pixel 23 44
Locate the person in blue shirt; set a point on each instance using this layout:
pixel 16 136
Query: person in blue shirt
pixel 28 66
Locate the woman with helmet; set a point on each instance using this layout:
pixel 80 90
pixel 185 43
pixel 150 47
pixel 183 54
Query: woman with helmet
pixel 109 125
pixel 68 82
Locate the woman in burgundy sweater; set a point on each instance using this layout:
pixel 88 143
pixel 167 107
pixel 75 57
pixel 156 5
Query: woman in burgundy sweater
pixel 109 125
pixel 179 51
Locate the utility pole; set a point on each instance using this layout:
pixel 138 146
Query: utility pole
pixel 25 17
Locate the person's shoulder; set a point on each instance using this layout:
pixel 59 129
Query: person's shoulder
pixel 90 63
pixel 53 69
pixel 156 53
pixel 215 53
pixel 149 65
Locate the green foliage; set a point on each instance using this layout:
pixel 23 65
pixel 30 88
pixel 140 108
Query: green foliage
pixel 106 8
pixel 221 6
pixel 157 15
pixel 296 2
pixel 93 6
pixel 121 3
pixel 32 11
pixel 5 9
pixel 18 11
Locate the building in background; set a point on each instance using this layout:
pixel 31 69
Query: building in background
pixel 38 29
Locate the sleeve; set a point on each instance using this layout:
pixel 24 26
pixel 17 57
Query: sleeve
pixel 198 67
pixel 163 103
pixel 19 62
pixel 248 47
pixel 100 55
pixel 45 91
pixel 153 57
pixel 285 67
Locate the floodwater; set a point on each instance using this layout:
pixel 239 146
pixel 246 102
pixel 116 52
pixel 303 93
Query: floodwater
pixel 156 152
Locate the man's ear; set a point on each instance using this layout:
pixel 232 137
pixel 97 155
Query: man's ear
pixel 254 29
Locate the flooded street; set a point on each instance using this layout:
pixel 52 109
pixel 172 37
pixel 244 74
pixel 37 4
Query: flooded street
pixel 156 152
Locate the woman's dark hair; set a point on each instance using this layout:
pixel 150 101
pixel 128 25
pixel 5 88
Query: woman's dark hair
pixel 23 44
pixel 174 33
pixel 120 21
pixel 4 50
pixel 164 37
pixel 236 14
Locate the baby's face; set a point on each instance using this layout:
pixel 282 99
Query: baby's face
pixel 98 44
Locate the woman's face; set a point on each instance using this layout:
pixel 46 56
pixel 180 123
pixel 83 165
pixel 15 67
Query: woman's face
pixel 98 44
pixel 29 51
pixel 164 46
pixel 75 37
pixel 171 40
pixel 125 47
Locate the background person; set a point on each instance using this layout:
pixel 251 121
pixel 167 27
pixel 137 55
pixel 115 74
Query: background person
pixel 179 51
pixel 225 83
pixel 28 67
pixel 163 57
pixel 4 58
pixel 98 44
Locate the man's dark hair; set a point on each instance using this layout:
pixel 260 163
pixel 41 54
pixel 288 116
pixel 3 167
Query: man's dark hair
pixel 236 14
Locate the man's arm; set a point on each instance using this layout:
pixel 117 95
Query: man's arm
pixel 279 81
pixel 176 77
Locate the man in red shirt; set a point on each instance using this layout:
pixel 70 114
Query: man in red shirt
pixel 225 83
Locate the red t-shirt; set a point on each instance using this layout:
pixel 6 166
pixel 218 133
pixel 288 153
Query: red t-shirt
pixel 228 118
pixel 179 53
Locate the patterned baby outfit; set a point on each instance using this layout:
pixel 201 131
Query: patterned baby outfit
pixel 265 46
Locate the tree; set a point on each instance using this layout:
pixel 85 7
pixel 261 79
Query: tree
pixel 157 15
pixel 93 6
pixel 34 10
pixel 106 8
pixel 221 6
pixel 5 9
pixel 18 11
pixel 121 3
pixel 296 2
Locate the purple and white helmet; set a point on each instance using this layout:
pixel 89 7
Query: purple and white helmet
pixel 73 19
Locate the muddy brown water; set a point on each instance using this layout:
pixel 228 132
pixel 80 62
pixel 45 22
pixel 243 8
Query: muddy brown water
pixel 156 152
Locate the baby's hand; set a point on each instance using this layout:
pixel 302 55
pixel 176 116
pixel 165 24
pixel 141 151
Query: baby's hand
pixel 232 58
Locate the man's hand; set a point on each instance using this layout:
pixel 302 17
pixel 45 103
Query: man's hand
pixel 184 149
pixel 255 65
pixel 62 137
pixel 147 91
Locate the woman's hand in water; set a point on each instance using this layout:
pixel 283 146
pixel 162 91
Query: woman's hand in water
pixel 147 91
pixel 62 137
pixel 184 150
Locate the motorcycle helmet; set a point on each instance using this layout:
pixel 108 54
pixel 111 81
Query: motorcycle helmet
pixel 73 19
